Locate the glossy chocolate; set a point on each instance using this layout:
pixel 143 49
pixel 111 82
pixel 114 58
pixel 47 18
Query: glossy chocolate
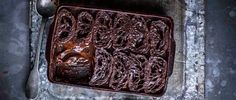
pixel 111 50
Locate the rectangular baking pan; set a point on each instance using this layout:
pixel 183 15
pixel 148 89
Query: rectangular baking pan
pixel 52 73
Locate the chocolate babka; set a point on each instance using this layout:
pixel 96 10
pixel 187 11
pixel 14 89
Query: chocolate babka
pixel 110 50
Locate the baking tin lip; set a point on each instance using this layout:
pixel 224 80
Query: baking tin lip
pixel 171 47
pixel 61 6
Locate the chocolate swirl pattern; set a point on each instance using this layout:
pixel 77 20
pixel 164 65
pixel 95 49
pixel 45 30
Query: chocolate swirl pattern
pixel 137 39
pixel 102 30
pixel 111 50
pixel 155 73
pixel 136 73
pixel 84 25
pixel 120 29
pixel 65 26
pixel 158 38
pixel 103 68
pixel 119 77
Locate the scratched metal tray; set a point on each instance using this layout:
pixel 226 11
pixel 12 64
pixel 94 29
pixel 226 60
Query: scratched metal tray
pixel 186 81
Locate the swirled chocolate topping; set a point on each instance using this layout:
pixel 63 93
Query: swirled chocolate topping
pixel 112 50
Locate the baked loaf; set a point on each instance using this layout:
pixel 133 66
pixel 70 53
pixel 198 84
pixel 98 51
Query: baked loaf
pixel 111 50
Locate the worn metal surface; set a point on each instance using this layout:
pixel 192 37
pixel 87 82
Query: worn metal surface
pixel 195 49
pixel 220 50
pixel 187 79
pixel 14 51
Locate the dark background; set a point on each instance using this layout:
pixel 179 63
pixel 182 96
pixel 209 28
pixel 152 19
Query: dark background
pixel 220 49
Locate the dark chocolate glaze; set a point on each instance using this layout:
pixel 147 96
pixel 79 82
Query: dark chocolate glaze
pixel 111 50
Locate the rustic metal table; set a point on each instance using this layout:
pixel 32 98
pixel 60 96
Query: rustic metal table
pixel 219 49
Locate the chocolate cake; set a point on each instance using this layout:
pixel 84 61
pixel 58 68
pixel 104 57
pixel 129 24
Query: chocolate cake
pixel 110 50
